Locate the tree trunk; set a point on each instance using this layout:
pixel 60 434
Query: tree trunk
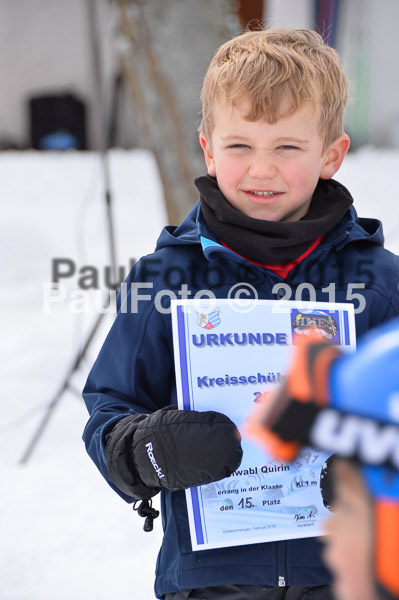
pixel 166 46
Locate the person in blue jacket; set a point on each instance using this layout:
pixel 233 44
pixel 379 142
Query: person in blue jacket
pixel 269 216
pixel 348 405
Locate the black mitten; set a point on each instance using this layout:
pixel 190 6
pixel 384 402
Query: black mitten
pixel 327 482
pixel 174 449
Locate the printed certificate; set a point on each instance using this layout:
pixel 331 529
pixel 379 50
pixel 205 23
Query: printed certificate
pixel 225 358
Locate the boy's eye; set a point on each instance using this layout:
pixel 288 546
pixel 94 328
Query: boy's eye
pixel 288 147
pixel 238 146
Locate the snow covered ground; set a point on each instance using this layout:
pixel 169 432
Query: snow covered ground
pixel 65 534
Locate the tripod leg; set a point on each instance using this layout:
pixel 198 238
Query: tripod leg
pixel 92 5
pixel 64 386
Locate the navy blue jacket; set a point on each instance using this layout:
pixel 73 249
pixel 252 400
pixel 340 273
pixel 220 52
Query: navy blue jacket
pixel 134 372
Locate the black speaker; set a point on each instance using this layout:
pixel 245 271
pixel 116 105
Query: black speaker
pixel 57 122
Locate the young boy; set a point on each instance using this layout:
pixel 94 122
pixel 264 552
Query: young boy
pixel 358 393
pixel 269 215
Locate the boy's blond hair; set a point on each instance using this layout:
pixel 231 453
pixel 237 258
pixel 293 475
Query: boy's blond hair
pixel 277 70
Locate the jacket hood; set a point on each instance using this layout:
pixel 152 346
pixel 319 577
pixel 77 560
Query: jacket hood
pixel 188 232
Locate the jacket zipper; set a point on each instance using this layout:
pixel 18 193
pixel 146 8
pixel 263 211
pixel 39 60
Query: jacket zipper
pixel 281 564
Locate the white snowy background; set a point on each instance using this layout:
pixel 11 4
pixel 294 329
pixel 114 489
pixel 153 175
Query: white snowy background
pixel 64 533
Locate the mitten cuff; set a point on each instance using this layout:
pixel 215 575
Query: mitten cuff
pixel 119 457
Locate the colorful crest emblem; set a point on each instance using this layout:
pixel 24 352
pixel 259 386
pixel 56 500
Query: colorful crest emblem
pixel 315 323
pixel 208 318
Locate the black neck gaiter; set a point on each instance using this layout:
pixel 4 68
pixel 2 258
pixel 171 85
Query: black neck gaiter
pixel 270 242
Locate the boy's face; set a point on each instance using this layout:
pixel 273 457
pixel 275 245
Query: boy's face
pixel 349 551
pixel 268 171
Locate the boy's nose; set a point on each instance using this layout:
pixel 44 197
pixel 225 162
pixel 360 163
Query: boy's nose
pixel 262 168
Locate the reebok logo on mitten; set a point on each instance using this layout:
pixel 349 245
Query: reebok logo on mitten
pixel 151 456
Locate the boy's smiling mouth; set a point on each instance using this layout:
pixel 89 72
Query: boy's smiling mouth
pixel 262 196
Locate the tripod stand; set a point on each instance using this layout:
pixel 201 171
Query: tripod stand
pixel 75 364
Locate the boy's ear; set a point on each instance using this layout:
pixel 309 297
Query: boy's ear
pixel 210 162
pixel 334 155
